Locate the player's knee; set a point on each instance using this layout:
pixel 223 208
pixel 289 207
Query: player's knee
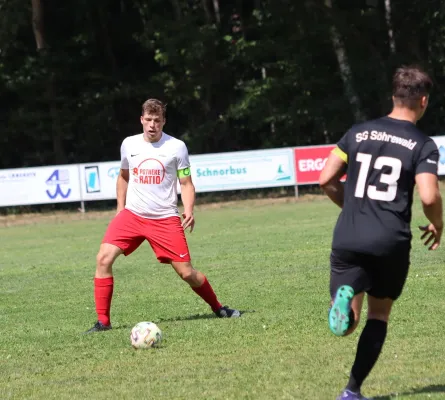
pixel 379 315
pixel 187 275
pixel 379 309
pixel 192 277
pixel 104 260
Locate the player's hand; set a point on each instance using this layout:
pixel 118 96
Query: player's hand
pixel 188 221
pixel 432 236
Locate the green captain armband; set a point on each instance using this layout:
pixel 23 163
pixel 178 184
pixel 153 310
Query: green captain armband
pixel 184 173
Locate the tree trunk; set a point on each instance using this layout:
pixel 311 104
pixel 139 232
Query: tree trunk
pixel 41 44
pixel 37 24
pixel 177 9
pixel 206 11
pixel 216 9
pixel 264 76
pixel 106 40
pixel 345 69
pixel 57 130
pixel 392 42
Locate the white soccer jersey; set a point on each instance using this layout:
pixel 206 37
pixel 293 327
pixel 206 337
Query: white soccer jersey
pixel 153 167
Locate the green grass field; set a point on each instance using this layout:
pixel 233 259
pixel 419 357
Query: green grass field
pixel 268 259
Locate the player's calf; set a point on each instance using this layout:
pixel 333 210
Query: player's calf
pixel 341 317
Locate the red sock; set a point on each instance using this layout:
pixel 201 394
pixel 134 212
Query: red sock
pixel 208 295
pixel 103 291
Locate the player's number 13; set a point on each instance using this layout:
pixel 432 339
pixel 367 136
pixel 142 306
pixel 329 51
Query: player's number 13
pixel 389 194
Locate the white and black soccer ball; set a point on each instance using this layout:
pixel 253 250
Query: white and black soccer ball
pixel 145 335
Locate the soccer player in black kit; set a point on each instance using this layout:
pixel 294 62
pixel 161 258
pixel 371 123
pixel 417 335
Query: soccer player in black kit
pixel 384 159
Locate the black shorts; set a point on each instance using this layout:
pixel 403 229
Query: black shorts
pixel 380 277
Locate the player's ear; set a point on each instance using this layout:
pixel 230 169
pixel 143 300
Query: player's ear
pixel 424 101
pixel 142 119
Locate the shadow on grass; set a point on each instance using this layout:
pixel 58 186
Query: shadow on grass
pixel 413 392
pixel 196 316
pixel 184 318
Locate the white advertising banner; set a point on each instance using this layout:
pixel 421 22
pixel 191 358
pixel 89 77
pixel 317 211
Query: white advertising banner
pixel 98 180
pixel 243 170
pixel 440 142
pixel 40 185
pixel 210 173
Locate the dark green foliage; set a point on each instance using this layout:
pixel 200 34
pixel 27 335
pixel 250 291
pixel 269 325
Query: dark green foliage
pixel 257 74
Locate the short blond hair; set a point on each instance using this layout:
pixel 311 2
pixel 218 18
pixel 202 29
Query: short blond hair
pixel 154 106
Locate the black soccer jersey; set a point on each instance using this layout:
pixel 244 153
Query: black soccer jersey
pixel 383 157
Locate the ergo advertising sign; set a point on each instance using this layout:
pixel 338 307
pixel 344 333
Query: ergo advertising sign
pixel 309 161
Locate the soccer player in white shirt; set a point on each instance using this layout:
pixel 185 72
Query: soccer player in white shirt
pixel 151 163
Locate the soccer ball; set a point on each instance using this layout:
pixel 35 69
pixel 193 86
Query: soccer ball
pixel 145 335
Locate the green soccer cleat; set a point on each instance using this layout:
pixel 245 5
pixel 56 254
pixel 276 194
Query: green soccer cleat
pixel 339 313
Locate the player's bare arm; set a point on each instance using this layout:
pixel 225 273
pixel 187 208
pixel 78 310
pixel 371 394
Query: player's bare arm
pixel 330 177
pixel 121 188
pixel 188 201
pixel 428 187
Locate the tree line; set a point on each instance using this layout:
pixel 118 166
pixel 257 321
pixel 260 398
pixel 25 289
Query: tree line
pixel 236 75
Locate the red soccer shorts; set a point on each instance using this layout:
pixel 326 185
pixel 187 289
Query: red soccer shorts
pixel 166 236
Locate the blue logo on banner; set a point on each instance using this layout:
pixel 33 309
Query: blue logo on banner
pixel 57 178
pixel 92 179
pixel 442 154
pixel 113 172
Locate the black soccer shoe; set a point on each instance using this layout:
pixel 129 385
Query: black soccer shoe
pixel 98 327
pixel 226 312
